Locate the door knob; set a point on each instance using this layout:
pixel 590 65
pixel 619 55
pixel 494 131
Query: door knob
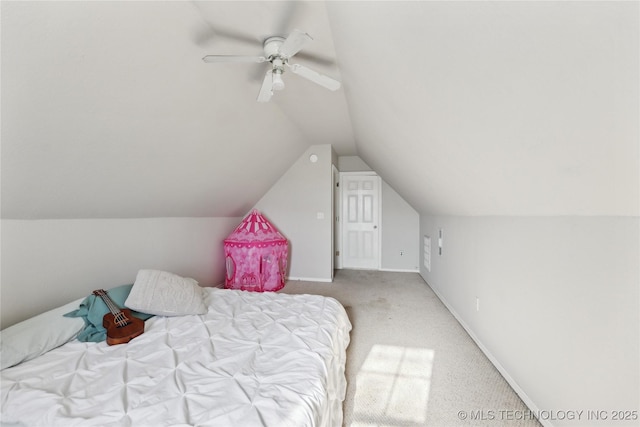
pixel 375 226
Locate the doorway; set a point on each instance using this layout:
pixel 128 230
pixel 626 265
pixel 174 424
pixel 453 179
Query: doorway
pixel 359 221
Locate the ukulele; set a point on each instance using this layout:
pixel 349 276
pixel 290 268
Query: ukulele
pixel 121 325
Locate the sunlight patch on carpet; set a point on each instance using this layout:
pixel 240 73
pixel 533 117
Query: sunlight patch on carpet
pixel 392 387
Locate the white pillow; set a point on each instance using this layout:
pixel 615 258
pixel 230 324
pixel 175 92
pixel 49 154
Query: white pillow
pixel 35 336
pixel 165 294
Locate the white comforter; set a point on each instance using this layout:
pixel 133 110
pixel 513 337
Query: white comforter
pixel 253 360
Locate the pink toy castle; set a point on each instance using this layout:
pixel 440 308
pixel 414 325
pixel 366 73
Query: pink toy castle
pixel 256 256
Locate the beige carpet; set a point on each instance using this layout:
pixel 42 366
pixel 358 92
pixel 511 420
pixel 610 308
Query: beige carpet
pixel 410 363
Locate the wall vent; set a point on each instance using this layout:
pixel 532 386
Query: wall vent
pixel 427 253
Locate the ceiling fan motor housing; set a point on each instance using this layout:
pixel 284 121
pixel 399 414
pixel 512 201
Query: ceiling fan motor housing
pixel 272 47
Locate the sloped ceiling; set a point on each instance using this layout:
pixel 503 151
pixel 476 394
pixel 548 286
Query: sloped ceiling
pixel 109 111
pixel 465 108
pixel 496 108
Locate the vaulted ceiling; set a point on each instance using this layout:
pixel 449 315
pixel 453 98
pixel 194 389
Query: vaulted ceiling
pixel 465 108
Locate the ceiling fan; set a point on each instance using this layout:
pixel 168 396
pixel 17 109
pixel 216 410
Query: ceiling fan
pixel 278 51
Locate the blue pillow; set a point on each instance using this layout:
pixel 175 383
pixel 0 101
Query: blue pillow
pixel 93 309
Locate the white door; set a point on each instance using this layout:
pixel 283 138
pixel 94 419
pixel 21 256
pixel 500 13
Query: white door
pixel 360 220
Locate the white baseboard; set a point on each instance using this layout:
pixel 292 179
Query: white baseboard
pixel 400 270
pixel 525 398
pixel 310 279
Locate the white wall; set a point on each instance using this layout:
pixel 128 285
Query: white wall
pixel 352 164
pixel 400 226
pixel 400 223
pixel 294 205
pixel 46 263
pixel 559 303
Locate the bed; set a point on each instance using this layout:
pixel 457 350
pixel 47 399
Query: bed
pixel 253 359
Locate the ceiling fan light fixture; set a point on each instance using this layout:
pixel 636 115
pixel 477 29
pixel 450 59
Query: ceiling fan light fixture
pixel 277 82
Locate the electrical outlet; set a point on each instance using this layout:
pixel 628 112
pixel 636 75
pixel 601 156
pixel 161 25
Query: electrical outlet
pixel 477 304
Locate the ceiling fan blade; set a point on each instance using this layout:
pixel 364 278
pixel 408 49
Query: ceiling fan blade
pixel 316 59
pixel 315 77
pixel 233 58
pixel 292 45
pixel 266 90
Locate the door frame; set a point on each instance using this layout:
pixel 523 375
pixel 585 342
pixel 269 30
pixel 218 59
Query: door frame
pixel 335 213
pixel 338 218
